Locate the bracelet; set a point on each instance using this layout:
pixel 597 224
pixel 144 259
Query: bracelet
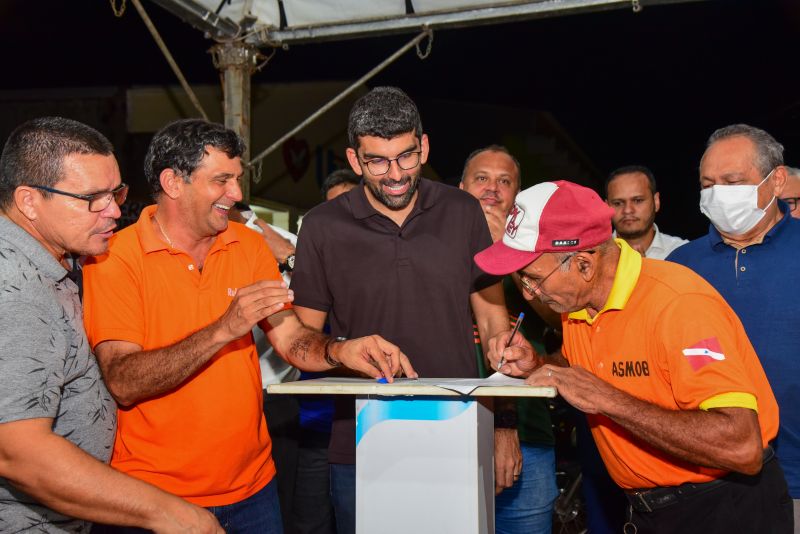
pixel 328 357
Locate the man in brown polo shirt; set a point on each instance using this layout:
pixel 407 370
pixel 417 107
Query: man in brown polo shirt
pixel 394 256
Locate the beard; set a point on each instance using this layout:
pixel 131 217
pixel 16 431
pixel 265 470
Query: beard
pixel 637 232
pixel 394 202
pixel 633 234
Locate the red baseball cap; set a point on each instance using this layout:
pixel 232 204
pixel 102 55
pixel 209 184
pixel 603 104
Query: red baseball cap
pixel 548 217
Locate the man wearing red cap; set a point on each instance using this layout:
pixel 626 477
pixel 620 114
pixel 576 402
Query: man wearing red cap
pixel 676 398
pixel 525 502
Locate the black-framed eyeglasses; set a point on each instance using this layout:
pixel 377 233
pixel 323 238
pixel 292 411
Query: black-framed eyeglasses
pixel 97 201
pixel 792 201
pixel 528 284
pixel 406 161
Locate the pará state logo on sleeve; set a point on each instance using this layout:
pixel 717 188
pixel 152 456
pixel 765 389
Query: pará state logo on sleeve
pixel 704 352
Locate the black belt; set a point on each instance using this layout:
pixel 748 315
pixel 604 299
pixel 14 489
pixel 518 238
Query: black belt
pixel 653 499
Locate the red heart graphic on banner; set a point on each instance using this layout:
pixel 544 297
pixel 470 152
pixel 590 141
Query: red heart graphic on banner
pixel 296 157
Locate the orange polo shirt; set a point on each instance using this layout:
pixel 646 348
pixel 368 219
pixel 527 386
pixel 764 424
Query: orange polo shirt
pixel 206 440
pixel 667 337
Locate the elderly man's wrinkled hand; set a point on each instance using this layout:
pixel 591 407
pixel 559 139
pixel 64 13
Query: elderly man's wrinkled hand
pixel 517 359
pixel 576 385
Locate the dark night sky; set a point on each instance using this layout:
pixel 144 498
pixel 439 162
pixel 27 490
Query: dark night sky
pixel 629 88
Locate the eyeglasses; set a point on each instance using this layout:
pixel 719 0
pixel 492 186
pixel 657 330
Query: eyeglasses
pixel 406 161
pixel 527 282
pixel 97 201
pixel 792 201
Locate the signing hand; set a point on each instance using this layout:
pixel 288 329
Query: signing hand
pixel 519 359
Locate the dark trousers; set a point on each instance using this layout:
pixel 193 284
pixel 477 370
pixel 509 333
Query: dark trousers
pixel 313 511
pixel 282 413
pixel 343 496
pixel 605 501
pixel 757 504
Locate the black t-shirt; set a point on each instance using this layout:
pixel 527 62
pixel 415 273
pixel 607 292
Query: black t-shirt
pixel 409 284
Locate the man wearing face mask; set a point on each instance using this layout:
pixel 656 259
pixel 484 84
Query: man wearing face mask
pixel 750 256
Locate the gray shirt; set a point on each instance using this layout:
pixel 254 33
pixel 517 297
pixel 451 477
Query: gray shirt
pixel 47 369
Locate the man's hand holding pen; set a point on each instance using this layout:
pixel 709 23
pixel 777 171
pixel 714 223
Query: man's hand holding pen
pixel 514 331
pixel 511 354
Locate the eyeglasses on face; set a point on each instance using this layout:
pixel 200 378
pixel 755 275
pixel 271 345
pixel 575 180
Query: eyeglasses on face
pixel 97 201
pixel 530 286
pixel 792 201
pixel 406 161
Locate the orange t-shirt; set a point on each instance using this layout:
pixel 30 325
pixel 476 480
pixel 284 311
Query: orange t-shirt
pixel 206 440
pixel 666 337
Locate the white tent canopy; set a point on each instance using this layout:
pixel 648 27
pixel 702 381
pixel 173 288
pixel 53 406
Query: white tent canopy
pixel 242 26
pixel 315 20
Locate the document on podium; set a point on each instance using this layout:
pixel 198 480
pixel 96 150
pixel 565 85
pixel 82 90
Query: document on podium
pixel 497 385
pixel 465 386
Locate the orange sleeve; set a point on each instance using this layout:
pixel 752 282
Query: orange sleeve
pixel 703 352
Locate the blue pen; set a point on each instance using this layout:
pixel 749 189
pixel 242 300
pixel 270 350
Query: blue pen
pixel 508 343
pixel 382 380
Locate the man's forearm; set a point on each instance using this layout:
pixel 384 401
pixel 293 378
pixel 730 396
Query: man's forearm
pixel 143 374
pixel 133 374
pixel 68 480
pixel 727 439
pixel 306 349
pixel 311 350
pixel 281 247
pixel 491 316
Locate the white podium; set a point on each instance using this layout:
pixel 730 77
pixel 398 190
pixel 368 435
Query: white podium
pixel 424 451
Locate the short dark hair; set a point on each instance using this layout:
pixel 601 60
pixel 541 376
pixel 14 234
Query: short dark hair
pixel 34 152
pixel 769 152
pixel 628 169
pixel 493 148
pixel 181 145
pixel 337 177
pixel 384 112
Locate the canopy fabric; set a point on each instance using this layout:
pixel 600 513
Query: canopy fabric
pixel 313 20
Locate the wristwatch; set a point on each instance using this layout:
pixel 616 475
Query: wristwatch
pixel 287 265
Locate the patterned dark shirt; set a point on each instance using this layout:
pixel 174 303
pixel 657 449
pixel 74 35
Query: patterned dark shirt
pixel 47 369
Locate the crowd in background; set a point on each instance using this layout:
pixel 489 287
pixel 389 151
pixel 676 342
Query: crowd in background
pixel 136 362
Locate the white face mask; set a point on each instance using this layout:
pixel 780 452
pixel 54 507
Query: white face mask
pixel 733 209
